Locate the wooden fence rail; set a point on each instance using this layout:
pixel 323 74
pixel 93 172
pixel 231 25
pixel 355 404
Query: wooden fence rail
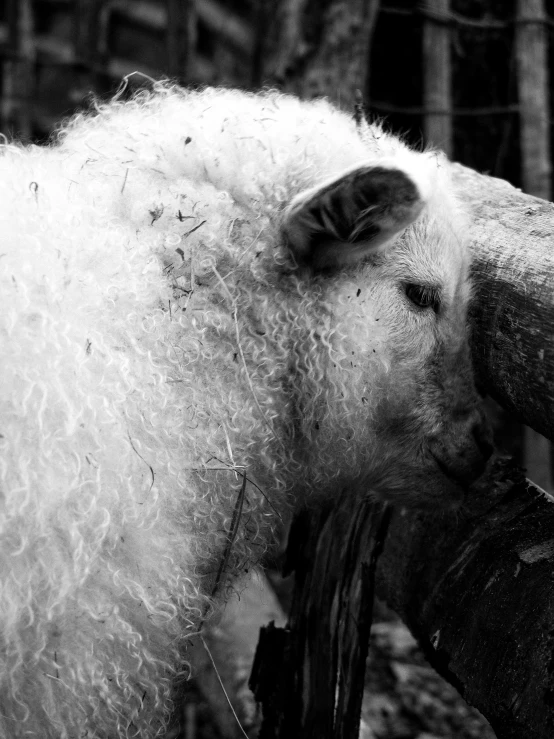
pixel 513 320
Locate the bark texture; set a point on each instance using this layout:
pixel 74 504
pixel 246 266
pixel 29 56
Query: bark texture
pixel 475 588
pixel 513 314
pixel 321 48
pixel 310 676
pixel 533 93
pixel 478 594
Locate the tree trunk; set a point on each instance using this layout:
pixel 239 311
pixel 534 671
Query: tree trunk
pixel 321 48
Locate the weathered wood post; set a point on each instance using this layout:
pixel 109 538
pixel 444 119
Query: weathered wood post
pixel 310 676
pixel 533 94
pixel 437 77
pixel 336 62
pixel 536 169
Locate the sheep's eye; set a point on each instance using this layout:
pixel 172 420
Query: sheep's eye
pixel 424 297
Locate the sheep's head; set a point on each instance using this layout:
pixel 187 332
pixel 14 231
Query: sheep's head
pixel 388 240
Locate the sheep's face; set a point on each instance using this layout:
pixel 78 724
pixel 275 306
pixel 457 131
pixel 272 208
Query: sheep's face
pixel 389 250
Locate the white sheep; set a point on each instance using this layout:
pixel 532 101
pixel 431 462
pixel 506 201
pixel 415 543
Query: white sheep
pixel 208 300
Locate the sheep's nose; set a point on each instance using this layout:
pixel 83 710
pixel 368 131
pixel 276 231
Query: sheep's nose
pixel 482 434
pixel 463 447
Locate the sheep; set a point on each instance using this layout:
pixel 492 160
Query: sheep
pixel 215 306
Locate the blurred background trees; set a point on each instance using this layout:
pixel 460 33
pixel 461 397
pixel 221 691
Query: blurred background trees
pixel 445 70
pixel 441 71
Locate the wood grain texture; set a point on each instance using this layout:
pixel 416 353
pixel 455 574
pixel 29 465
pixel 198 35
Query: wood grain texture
pixel 531 43
pixel 474 587
pixel 309 677
pixel 477 592
pixel 321 48
pixel 513 309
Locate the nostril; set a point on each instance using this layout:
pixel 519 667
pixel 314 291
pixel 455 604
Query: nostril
pixel 464 446
pixel 483 438
pixel 486 449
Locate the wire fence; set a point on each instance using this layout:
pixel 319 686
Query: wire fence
pixel 196 43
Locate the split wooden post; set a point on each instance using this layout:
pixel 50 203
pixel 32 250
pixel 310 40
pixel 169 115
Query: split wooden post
pixel 309 677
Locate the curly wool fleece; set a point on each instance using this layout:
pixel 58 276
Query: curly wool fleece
pixel 158 343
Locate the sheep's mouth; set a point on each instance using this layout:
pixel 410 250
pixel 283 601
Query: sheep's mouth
pixel 450 474
pixel 465 477
pixel 429 488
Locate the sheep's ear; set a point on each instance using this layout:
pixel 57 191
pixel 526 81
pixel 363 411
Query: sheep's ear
pixel 344 220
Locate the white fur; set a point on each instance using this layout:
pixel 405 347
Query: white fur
pixel 143 361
